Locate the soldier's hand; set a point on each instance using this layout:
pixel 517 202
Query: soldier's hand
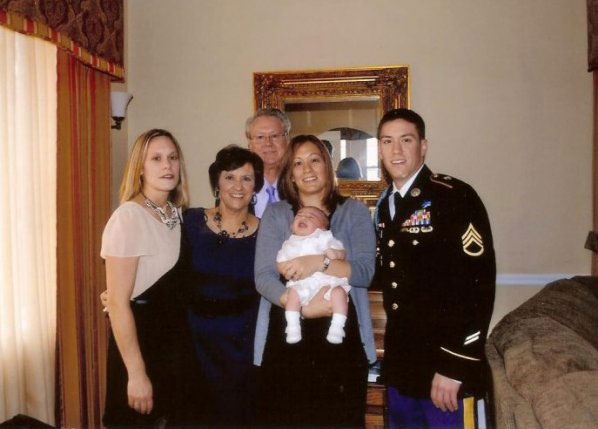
pixel 444 393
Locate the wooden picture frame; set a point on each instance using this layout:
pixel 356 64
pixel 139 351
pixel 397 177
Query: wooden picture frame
pixel 389 85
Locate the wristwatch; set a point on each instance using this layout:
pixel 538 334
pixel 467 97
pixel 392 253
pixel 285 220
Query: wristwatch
pixel 326 263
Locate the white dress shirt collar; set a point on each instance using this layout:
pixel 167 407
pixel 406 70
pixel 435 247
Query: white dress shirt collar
pixel 403 191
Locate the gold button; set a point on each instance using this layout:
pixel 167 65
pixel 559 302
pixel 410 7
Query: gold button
pixel 391 243
pixel 394 285
pixel 391 264
pixel 395 306
pixel 415 242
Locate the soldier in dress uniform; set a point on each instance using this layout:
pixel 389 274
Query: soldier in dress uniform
pixel 437 269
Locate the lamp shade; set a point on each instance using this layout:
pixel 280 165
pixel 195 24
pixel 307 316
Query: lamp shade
pixel 118 103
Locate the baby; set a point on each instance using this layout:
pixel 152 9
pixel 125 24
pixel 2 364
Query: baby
pixel 310 237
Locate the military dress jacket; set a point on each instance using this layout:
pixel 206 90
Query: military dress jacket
pixel 437 270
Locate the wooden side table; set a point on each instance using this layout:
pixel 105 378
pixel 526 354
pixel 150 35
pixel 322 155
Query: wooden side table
pixel 375 410
pixel 375 413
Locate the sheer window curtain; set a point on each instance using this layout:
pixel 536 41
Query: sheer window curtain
pixel 28 128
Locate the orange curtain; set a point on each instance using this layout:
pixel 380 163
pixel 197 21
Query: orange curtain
pixel 83 208
pixel 595 177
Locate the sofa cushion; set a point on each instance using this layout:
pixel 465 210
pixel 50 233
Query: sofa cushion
pixel 541 350
pixel 569 402
pixel 549 349
pixel 571 302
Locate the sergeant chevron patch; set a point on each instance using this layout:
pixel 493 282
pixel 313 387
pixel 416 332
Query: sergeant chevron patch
pixel 473 245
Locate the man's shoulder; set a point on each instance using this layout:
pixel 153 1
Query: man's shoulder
pixel 452 195
pixel 448 185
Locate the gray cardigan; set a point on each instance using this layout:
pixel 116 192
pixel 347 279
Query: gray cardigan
pixel 352 225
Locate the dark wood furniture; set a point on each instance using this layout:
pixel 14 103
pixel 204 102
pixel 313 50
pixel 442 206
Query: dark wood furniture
pixel 375 417
pixel 375 410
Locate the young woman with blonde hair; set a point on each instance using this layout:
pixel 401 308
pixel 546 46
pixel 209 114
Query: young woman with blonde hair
pixel 149 352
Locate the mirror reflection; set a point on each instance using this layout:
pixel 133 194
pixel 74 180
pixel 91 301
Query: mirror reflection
pixel 349 125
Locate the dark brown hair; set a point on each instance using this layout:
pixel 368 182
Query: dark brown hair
pixel 232 157
pixel 287 188
pixel 406 115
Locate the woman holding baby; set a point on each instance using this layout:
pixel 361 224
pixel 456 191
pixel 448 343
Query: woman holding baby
pixel 314 364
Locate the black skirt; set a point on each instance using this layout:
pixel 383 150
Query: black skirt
pixel 166 347
pixel 313 383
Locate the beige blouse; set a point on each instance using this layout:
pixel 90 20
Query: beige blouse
pixel 133 231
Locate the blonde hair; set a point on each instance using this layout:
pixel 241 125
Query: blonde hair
pixel 132 182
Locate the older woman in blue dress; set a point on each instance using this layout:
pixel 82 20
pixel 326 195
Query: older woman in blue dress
pixel 222 299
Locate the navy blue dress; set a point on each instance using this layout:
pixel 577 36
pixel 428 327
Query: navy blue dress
pixel 222 312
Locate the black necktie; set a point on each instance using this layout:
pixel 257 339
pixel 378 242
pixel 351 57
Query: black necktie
pixel 398 200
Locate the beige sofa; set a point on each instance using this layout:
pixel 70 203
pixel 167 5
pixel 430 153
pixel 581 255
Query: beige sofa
pixel 544 359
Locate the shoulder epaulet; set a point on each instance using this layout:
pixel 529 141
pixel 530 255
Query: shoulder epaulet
pixel 442 179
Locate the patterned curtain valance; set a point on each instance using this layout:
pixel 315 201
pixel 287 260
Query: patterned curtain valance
pixel 92 30
pixel 592 35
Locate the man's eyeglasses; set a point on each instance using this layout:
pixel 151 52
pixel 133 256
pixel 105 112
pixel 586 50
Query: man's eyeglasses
pixel 274 138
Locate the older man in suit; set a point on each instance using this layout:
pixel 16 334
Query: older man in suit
pixel 267 133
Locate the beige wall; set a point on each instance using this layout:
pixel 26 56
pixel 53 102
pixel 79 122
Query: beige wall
pixel 502 85
pixel 119 139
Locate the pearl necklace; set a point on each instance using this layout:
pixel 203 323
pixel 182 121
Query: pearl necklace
pixel 170 221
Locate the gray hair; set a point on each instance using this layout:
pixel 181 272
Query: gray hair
pixel 275 113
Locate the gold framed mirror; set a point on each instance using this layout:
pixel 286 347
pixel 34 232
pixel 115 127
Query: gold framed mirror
pixel 344 107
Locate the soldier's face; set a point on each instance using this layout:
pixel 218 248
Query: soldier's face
pixel 401 150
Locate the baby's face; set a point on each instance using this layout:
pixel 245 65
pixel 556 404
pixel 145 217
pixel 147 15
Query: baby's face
pixel 307 220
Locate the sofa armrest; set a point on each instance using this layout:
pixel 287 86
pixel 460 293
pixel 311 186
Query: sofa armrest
pixel 511 410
